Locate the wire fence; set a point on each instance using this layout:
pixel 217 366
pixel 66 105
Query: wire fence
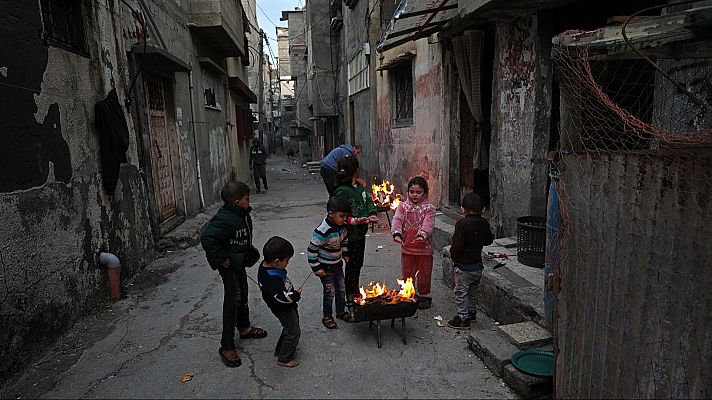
pixel 634 307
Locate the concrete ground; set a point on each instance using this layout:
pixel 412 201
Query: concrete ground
pixel 169 323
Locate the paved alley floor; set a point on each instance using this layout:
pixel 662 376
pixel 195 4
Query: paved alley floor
pixel 169 323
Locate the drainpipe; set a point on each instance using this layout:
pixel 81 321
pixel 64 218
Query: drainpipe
pixel 195 143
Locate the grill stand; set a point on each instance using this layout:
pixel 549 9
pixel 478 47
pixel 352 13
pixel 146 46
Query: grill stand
pixel 388 217
pixel 404 333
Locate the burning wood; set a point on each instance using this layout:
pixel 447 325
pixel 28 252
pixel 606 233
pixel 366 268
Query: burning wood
pixel 383 196
pixel 379 293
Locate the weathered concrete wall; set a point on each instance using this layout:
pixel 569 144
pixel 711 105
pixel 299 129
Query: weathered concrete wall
pixel 636 271
pixel 56 217
pixel 211 125
pixel 171 21
pixel 297 51
pixel 356 33
pixel 421 148
pixel 520 122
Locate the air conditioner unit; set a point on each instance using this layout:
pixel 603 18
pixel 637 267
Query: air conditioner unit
pixel 367 49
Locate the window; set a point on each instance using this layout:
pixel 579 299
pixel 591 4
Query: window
pixel 402 77
pixel 63 24
pixel 210 85
pixel 358 70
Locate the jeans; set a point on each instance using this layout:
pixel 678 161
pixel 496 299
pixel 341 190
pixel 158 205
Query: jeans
pixel 466 283
pixel 236 312
pixel 334 289
pixel 259 171
pixel 353 266
pixel 422 265
pixel 289 339
pixel 329 178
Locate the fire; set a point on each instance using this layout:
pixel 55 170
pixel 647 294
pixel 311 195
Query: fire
pixel 383 195
pixel 379 292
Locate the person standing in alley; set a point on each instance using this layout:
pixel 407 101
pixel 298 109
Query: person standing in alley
pixel 227 242
pixel 258 160
pixel 471 234
pixel 330 164
pixel 363 211
pixel 413 228
pixel 281 297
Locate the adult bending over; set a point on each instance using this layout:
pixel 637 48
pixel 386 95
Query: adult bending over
pixel 331 161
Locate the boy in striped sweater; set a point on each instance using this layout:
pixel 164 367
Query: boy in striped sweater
pixel 326 250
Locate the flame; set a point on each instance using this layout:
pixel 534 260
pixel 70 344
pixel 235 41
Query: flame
pixel 406 293
pixel 382 194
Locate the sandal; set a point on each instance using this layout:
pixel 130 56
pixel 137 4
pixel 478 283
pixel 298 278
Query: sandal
pixel 288 364
pixel 329 322
pixel 344 316
pixel 230 357
pixel 254 333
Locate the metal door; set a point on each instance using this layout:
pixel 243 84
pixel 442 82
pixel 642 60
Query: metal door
pixel 161 165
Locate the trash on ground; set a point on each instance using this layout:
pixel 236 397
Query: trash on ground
pixel 186 377
pixel 441 324
pixel 380 247
pixel 438 318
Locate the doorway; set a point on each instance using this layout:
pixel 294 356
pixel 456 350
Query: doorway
pixel 161 162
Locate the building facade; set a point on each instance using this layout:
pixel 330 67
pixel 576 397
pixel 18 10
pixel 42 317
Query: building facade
pixel 121 125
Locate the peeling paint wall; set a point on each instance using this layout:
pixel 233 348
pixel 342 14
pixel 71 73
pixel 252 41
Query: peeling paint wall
pixel 520 122
pixel 56 217
pixel 421 148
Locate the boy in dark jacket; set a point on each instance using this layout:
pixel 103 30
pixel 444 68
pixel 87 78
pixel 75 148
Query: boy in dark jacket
pixel 281 297
pixel 227 242
pixel 471 233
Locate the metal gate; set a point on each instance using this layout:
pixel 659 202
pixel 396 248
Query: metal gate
pixel 161 165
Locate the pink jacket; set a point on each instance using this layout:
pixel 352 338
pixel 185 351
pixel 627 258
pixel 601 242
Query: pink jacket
pixel 413 220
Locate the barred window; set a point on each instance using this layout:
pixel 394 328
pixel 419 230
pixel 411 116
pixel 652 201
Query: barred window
pixel 63 24
pixel 403 93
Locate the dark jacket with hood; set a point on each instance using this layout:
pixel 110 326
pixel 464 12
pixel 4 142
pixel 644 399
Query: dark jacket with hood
pixel 277 290
pixel 229 235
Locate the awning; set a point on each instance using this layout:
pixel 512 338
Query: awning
pixel 158 58
pixel 415 19
pixel 236 84
pixel 397 60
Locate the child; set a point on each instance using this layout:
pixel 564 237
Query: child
pixel 413 227
pixel 227 242
pixel 326 249
pixel 281 297
pixel 471 233
pixel 363 211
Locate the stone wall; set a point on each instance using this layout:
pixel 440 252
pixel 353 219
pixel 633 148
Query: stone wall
pixel 521 109
pixel 421 147
pixel 56 216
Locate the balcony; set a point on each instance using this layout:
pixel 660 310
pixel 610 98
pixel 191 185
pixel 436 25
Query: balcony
pixel 220 24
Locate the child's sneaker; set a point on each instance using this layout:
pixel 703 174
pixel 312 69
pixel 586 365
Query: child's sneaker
pixel 458 323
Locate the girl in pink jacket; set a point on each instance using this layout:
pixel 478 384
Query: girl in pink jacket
pixel 413 228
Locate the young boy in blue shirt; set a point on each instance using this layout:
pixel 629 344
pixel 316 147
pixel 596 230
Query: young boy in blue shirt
pixel 327 248
pixel 281 297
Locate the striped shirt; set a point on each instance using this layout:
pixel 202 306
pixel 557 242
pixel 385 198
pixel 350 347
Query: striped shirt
pixel 327 246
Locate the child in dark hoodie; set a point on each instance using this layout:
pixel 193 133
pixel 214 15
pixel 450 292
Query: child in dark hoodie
pixel 227 242
pixel 281 297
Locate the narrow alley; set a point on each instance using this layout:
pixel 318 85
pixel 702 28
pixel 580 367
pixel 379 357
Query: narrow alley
pixel 169 324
